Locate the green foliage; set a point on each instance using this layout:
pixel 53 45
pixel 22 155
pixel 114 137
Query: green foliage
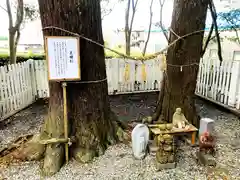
pixel 230 18
pixel 3 38
pixel 30 12
pixel 106 43
pixel 4 58
pixel 234 39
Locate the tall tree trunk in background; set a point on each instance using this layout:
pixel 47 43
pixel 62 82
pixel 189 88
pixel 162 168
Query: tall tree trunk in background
pixel 14 30
pixel 128 27
pixel 91 119
pixel 12 52
pixel 149 28
pixel 127 30
pixel 180 85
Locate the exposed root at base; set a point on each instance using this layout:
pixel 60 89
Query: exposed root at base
pixel 84 155
pixel 123 136
pixel 53 154
pixel 15 145
pixel 53 160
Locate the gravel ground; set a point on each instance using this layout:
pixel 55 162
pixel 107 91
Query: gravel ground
pixel 117 162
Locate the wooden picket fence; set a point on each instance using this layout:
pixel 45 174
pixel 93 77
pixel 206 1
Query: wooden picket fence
pixel 124 76
pixel 21 84
pixel 220 83
pixel 17 88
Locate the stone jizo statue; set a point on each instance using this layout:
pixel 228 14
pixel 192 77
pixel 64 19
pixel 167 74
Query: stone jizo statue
pixel 179 120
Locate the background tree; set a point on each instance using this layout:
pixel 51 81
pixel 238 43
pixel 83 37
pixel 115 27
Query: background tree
pixel 107 7
pixel 24 13
pixel 149 28
pixel 166 35
pixel 231 19
pixel 129 23
pixel 183 58
pixel 160 23
pixel 92 123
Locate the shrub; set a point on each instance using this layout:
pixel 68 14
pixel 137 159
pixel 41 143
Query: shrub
pixel 4 58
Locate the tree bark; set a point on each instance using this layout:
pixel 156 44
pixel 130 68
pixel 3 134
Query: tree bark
pixel 91 121
pixel 181 81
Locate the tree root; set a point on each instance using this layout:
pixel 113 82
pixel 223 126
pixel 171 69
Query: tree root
pixel 84 155
pixel 123 136
pixel 32 150
pixel 22 150
pixel 53 159
pixel 15 145
pixel 53 154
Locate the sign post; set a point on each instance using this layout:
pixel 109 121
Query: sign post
pixel 65 117
pixel 63 59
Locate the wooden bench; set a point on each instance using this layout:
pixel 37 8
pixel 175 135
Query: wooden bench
pixel 192 130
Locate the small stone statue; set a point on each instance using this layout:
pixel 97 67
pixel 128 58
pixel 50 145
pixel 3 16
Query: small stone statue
pixel 179 120
pixel 207 143
pixel 140 139
pixel 206 153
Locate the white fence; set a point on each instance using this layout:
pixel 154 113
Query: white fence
pixel 17 88
pixel 124 76
pixel 220 82
pixel 21 84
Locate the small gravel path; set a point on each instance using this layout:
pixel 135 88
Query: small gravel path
pixel 117 163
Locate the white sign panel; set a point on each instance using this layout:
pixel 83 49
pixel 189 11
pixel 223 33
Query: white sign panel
pixel 63 55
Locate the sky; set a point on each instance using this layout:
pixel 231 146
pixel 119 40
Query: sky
pixel 32 31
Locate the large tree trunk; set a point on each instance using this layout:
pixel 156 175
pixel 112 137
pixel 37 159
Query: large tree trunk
pixel 91 122
pixel 181 82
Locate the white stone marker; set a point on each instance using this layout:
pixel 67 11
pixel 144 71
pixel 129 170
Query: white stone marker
pixel 206 124
pixel 140 138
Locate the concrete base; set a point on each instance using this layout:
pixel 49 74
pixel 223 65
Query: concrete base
pixel 206 159
pixel 160 166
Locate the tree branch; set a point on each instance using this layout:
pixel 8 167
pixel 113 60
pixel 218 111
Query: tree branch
pixel 20 13
pixel 208 40
pixel 119 53
pixel 9 11
pixel 232 26
pixel 161 2
pixel 149 29
pixel 105 12
pixel 134 6
pixel 214 17
pixel 3 9
pixel 128 29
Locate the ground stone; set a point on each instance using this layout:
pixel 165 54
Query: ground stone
pixel 160 166
pixel 83 155
pixel 153 149
pixel 206 159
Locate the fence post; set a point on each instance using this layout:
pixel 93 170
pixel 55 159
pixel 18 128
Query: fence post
pixel 235 80
pixel 33 77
